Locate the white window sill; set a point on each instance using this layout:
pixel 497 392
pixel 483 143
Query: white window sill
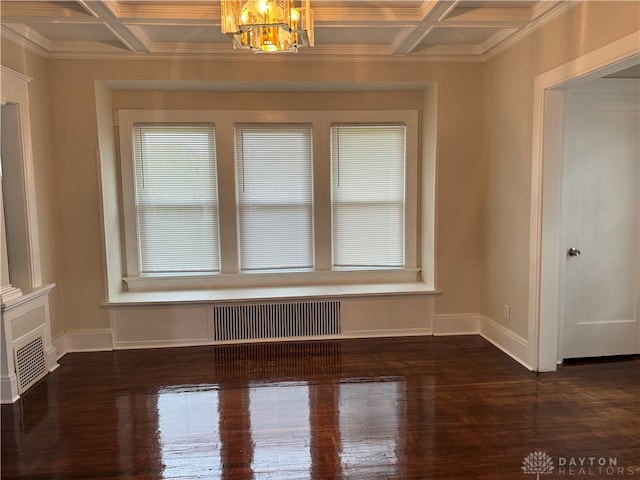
pixel 257 280
pixel 229 295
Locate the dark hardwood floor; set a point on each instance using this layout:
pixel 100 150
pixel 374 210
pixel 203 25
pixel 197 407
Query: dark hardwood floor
pixel 408 408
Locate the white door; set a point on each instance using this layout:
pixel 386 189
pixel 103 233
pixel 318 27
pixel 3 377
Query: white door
pixel 601 230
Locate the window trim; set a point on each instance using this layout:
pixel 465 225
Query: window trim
pixel 224 122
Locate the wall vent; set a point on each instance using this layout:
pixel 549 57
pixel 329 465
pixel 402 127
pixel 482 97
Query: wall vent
pixel 276 320
pixel 30 362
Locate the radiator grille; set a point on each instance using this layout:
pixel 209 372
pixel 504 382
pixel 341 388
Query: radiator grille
pixel 276 320
pixel 30 362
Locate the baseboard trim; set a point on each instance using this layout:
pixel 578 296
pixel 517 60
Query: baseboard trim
pixel 445 324
pixel 399 332
pixel 407 332
pixel 102 340
pixel 150 344
pixel 51 357
pixel 83 341
pixel 456 324
pixel 9 389
pixel 144 345
pixel 58 344
pixel 507 341
pixel 475 324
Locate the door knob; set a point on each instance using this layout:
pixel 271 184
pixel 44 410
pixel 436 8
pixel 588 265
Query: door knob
pixel 573 252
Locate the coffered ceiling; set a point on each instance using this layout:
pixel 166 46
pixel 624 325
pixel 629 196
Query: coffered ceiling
pixel 399 29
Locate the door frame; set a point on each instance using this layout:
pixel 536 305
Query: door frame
pixel 546 181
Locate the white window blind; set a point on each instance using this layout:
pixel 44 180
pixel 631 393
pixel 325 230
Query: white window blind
pixel 274 194
pixel 176 199
pixel 368 195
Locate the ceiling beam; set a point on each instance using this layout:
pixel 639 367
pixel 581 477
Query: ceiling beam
pixel 106 12
pixel 433 12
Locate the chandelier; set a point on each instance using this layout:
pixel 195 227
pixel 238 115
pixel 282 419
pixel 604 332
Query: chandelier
pixel 268 25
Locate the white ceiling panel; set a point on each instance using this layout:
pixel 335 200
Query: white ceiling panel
pixel 73 32
pixel 357 35
pixel 183 34
pixel 55 9
pixel 458 36
pixel 366 4
pixel 497 4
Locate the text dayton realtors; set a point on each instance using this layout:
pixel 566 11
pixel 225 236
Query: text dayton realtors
pixel 592 466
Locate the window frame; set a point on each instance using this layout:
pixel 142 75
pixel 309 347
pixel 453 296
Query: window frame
pixel 224 122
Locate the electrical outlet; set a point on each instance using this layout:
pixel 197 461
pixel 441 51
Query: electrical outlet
pixel 506 312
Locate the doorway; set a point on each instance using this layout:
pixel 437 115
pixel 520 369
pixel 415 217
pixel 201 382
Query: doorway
pixel 547 253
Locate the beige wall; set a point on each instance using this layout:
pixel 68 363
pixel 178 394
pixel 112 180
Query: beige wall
pixel 35 67
pixel 509 100
pixel 75 139
pixel 484 157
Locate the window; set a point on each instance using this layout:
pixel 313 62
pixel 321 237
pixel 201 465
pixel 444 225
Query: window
pixel 176 199
pixel 274 192
pixel 224 198
pixel 368 195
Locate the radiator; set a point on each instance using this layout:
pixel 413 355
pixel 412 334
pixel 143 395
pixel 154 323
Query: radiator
pixel 30 362
pixel 276 320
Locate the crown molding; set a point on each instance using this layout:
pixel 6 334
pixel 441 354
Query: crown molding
pixel 13 73
pixel 27 38
pixel 548 14
pixel 216 53
pixel 496 38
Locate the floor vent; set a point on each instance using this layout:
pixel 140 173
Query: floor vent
pixel 30 362
pixel 276 320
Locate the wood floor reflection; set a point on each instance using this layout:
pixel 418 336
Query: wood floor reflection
pixel 409 408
